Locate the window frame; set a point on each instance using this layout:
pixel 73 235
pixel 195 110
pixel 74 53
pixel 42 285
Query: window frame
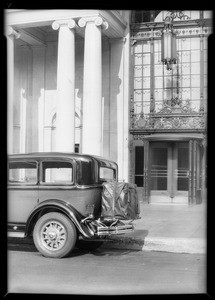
pixel 42 183
pixel 25 183
pixel 136 158
pixel 106 179
pixel 161 91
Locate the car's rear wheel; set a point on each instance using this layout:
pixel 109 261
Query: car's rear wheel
pixel 54 235
pixel 88 245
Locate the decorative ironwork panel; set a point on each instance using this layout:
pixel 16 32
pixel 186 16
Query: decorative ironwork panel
pixel 170 99
pixel 176 114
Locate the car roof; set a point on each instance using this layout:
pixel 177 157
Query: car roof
pixel 40 155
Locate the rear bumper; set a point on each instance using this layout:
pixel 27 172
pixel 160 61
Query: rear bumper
pixel 114 230
pixel 107 227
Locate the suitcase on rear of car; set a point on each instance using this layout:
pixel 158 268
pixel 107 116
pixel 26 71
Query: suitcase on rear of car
pixel 120 201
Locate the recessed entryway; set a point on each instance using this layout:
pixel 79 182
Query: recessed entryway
pixel 169 172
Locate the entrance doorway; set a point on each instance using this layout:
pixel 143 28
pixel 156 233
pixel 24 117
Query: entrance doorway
pixel 169 172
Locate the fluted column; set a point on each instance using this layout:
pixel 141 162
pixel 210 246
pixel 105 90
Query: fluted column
pixel 65 122
pixel 10 34
pixel 92 87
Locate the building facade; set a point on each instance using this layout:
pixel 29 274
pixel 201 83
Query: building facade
pixel 169 108
pixel 92 81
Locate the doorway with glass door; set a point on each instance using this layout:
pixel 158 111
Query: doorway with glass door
pixel 169 172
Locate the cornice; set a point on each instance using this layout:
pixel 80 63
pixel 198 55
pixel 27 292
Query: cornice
pixel 41 18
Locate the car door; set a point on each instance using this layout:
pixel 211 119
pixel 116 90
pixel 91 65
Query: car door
pixel 56 179
pixel 22 190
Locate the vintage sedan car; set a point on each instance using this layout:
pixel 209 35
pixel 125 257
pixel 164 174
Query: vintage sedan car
pixel 57 199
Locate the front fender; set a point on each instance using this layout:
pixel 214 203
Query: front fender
pixel 61 206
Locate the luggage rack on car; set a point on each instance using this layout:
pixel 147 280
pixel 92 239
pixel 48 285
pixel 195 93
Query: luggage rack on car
pixel 106 227
pixel 114 230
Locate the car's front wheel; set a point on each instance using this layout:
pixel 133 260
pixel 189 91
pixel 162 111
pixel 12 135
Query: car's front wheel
pixel 54 235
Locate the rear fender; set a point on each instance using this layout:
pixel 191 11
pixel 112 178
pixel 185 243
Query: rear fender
pixel 57 206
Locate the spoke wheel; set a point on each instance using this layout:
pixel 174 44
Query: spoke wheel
pixel 54 235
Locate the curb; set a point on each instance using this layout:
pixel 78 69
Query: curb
pixel 175 245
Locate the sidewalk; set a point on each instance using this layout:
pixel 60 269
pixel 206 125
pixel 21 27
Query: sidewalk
pixel 171 228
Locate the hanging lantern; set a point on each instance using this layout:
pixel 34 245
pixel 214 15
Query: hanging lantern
pixel 168 38
pixel 168 44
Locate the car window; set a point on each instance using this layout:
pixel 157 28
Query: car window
pixel 106 174
pixel 22 172
pixel 57 172
pixel 86 173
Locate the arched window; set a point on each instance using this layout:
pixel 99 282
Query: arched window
pixel 53 132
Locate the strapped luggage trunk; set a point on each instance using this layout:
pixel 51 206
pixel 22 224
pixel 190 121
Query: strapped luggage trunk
pixel 120 200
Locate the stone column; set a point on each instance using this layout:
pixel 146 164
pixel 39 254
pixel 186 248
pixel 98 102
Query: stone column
pixel 65 122
pixel 10 34
pixel 92 87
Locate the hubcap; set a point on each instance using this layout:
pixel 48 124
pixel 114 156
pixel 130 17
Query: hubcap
pixel 53 235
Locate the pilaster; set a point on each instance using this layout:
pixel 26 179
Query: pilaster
pixel 10 34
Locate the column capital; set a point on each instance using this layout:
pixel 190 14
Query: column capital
pixel 98 21
pixel 9 31
pixel 70 23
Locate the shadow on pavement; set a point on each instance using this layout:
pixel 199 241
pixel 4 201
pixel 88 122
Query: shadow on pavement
pixel 20 244
pixel 29 247
pixel 112 252
pixel 116 245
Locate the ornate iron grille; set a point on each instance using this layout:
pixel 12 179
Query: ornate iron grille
pixel 175 99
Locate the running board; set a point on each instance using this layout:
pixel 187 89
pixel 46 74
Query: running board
pixel 16 234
